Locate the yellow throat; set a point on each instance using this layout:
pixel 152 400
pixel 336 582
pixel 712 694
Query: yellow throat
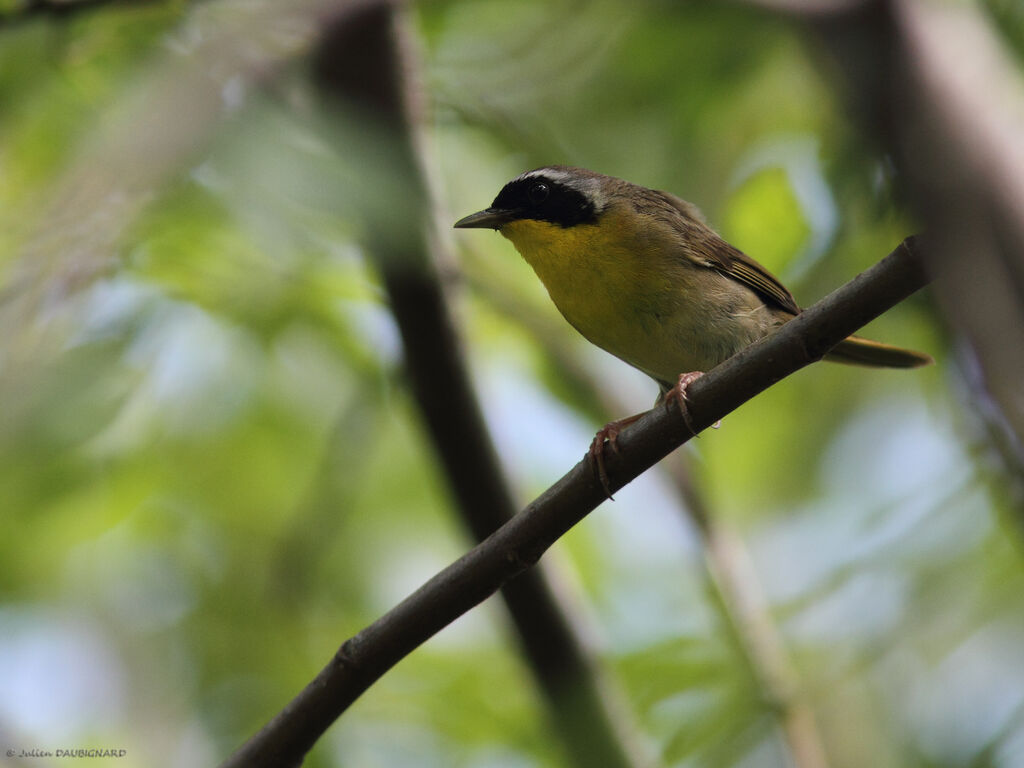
pixel 605 281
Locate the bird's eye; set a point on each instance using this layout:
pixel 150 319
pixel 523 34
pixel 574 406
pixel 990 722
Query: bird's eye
pixel 538 193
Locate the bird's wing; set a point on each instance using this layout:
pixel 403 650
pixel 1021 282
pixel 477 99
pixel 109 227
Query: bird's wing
pixel 734 263
pixel 710 250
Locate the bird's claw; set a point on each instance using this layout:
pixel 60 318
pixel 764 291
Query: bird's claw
pixel 609 434
pixel 678 395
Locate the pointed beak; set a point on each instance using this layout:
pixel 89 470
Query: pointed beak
pixel 491 218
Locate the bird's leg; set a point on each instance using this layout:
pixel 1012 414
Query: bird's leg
pixel 609 432
pixel 678 394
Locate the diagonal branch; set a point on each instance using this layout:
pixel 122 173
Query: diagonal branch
pixel 519 543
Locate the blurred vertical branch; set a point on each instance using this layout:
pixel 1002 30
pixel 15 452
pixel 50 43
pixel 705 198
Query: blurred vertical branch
pixel 365 62
pixel 963 151
pixel 745 612
pixel 933 87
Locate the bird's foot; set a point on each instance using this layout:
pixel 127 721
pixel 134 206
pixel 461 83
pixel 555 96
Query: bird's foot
pixel 608 433
pixel 678 395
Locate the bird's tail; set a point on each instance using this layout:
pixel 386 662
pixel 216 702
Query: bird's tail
pixel 858 351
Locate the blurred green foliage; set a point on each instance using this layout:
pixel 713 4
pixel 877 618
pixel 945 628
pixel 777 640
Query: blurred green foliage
pixel 211 472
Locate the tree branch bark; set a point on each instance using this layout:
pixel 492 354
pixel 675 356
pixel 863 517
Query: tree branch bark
pixel 519 543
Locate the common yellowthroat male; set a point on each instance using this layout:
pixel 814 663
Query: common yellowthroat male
pixel 640 274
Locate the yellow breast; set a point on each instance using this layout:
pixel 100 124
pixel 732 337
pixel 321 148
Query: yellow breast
pixel 607 283
pixel 623 284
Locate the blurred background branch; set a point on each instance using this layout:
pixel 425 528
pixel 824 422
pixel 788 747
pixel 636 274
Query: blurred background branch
pixel 366 62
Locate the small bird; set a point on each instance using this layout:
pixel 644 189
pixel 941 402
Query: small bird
pixel 642 275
